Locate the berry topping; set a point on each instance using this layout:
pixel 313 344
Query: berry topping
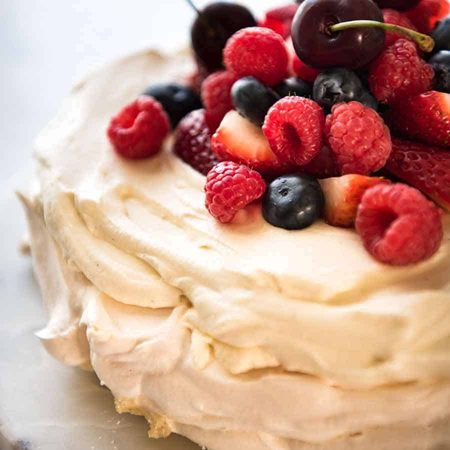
pixel 303 71
pixel 318 46
pixel 427 12
pixel 239 140
pixel 340 85
pixel 424 167
pixel 257 52
pixel 399 72
pixel 293 202
pixel 294 87
pixel 398 225
pixel 425 117
pixel 441 34
pixel 230 187
pixel 440 62
pixel 193 142
pixel 280 19
pixel 139 129
pixel 399 5
pixel 216 96
pixel 396 18
pixel 358 138
pixel 323 165
pixel 177 100
pixel 252 99
pixel 212 28
pixel 343 196
pixel 294 129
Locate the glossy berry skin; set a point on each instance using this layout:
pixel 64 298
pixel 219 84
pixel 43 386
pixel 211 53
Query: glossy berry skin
pixel 293 202
pixel 211 30
pixel 441 34
pixel 340 85
pixel 399 5
pixel 252 99
pixel 440 62
pixel 176 99
pixel 294 86
pixel 398 225
pixel 352 48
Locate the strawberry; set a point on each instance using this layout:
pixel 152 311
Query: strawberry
pixel 343 195
pixel 238 140
pixel 425 117
pixel 427 13
pixel 424 167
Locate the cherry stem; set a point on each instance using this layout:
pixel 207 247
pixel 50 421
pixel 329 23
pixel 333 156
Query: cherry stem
pixel 426 43
pixel 192 5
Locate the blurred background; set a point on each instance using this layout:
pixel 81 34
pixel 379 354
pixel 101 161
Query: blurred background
pixel 45 46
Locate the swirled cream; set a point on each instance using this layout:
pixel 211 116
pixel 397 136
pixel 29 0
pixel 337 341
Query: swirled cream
pixel 241 334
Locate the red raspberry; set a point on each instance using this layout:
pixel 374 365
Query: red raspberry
pixel 230 187
pixel 257 52
pixel 399 72
pixel 216 96
pixel 396 18
pixel 139 129
pixel 294 129
pixel 398 225
pixel 303 71
pixel 196 78
pixel 280 19
pixel 427 13
pixel 193 142
pixel 358 137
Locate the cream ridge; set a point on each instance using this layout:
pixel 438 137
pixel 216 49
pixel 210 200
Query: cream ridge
pixel 142 285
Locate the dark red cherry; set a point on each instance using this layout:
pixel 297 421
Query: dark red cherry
pixel 212 28
pixel 399 5
pixel 317 46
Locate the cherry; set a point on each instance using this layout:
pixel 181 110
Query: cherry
pixel 399 5
pixel 212 28
pixel 345 33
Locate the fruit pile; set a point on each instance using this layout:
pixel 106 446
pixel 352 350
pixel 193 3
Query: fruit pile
pixel 323 109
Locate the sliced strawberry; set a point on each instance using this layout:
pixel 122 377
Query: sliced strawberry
pixel 238 140
pixel 425 117
pixel 424 167
pixel 343 195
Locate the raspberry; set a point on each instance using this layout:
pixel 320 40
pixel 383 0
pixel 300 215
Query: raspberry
pixel 230 187
pixel 294 129
pixel 139 129
pixel 427 13
pixel 396 18
pixel 358 137
pixel 303 71
pixel 216 96
pixel 193 142
pixel 398 225
pixel 280 19
pixel 196 78
pixel 257 52
pixel 399 72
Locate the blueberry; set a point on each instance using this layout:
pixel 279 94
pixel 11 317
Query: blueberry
pixel 340 85
pixel 441 34
pixel 294 86
pixel 176 99
pixel 293 201
pixel 441 65
pixel 252 99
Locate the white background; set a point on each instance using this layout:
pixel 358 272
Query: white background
pixel 45 45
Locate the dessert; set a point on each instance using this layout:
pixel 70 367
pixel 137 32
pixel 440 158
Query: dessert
pixel 224 307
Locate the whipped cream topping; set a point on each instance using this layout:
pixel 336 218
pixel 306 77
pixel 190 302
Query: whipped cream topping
pixel 142 284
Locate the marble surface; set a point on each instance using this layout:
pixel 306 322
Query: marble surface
pixel 44 48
